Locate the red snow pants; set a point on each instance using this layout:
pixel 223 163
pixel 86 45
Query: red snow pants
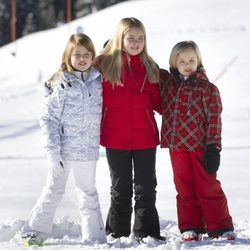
pixel 201 202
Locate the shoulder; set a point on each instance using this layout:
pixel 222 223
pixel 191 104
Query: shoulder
pixel 63 82
pixel 202 79
pixel 98 61
pixel 92 77
pixel 214 88
pixel 208 87
pixel 59 85
pixel 165 77
pixel 95 73
pixel 164 74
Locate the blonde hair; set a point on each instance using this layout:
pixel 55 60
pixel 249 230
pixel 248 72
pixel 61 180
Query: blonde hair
pixel 74 40
pixel 179 48
pixel 111 64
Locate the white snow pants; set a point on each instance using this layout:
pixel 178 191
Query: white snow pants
pixel 42 215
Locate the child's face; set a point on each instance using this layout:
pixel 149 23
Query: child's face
pixel 81 58
pixel 187 62
pixel 133 41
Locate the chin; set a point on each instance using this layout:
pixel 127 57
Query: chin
pixel 135 53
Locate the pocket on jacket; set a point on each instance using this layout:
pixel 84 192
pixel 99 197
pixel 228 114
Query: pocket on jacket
pixel 144 119
pixel 111 117
pixel 139 119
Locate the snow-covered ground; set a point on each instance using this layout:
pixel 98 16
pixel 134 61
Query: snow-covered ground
pixel 221 28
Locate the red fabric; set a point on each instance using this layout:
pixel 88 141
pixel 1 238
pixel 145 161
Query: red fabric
pixel 128 111
pixel 201 202
pixel 191 112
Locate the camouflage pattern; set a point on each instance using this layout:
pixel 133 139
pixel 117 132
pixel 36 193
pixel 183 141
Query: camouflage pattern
pixel 70 119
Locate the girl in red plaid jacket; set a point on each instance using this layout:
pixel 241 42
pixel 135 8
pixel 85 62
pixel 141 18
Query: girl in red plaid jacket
pixel 191 129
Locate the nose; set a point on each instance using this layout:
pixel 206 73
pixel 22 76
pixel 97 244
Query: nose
pixel 188 64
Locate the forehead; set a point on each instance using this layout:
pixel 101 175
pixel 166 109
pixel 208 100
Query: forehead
pixel 134 32
pixel 80 48
pixel 187 53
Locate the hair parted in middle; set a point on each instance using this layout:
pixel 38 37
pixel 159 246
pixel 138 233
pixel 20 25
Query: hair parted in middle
pixel 75 40
pixel 179 48
pixel 112 62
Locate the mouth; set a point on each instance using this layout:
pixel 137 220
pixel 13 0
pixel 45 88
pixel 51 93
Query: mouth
pixel 82 64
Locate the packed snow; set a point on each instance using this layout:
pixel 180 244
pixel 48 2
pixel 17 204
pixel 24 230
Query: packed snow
pixel 221 28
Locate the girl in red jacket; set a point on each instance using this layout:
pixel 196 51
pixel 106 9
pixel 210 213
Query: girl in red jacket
pixel 129 130
pixel 191 129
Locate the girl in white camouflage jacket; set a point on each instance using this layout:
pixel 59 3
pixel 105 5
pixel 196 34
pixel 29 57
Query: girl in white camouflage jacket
pixel 70 123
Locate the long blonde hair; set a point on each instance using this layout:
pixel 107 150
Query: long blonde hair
pixel 179 48
pixel 74 40
pixel 111 64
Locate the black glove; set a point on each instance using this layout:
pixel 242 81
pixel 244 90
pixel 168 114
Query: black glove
pixel 211 160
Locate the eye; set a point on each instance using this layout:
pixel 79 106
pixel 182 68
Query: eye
pixel 87 56
pixel 77 55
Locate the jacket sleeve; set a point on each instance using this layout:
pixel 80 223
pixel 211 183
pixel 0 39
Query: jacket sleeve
pixel 156 98
pixel 213 114
pixel 50 120
pixel 98 100
pixel 164 79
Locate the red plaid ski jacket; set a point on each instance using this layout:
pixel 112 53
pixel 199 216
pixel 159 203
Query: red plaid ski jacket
pixel 191 112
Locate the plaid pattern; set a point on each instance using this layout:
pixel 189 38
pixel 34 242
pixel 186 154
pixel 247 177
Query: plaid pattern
pixel 191 112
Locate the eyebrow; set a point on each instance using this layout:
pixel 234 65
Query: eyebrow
pixel 187 58
pixel 80 52
pixel 131 35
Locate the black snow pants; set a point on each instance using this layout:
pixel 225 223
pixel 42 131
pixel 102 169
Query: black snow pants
pixel 132 169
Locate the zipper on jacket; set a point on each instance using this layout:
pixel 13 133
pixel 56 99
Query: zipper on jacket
pixel 62 130
pixel 84 83
pixel 133 77
pixel 189 101
pixel 152 124
pixel 143 83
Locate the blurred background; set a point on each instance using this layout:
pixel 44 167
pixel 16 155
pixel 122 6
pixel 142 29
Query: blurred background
pixel 19 18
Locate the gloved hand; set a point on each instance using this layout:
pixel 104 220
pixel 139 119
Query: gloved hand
pixel 211 160
pixel 56 169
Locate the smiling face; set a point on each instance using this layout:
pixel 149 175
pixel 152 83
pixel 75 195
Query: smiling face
pixel 133 41
pixel 187 62
pixel 81 59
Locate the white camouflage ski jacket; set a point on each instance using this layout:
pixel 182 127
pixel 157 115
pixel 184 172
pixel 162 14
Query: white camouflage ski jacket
pixel 71 116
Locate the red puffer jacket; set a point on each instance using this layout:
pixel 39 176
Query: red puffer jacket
pixel 191 112
pixel 128 118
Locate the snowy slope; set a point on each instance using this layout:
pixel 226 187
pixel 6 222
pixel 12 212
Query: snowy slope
pixel 221 28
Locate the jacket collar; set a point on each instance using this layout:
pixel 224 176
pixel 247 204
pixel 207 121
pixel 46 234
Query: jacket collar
pixel 86 76
pixel 131 61
pixel 196 76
